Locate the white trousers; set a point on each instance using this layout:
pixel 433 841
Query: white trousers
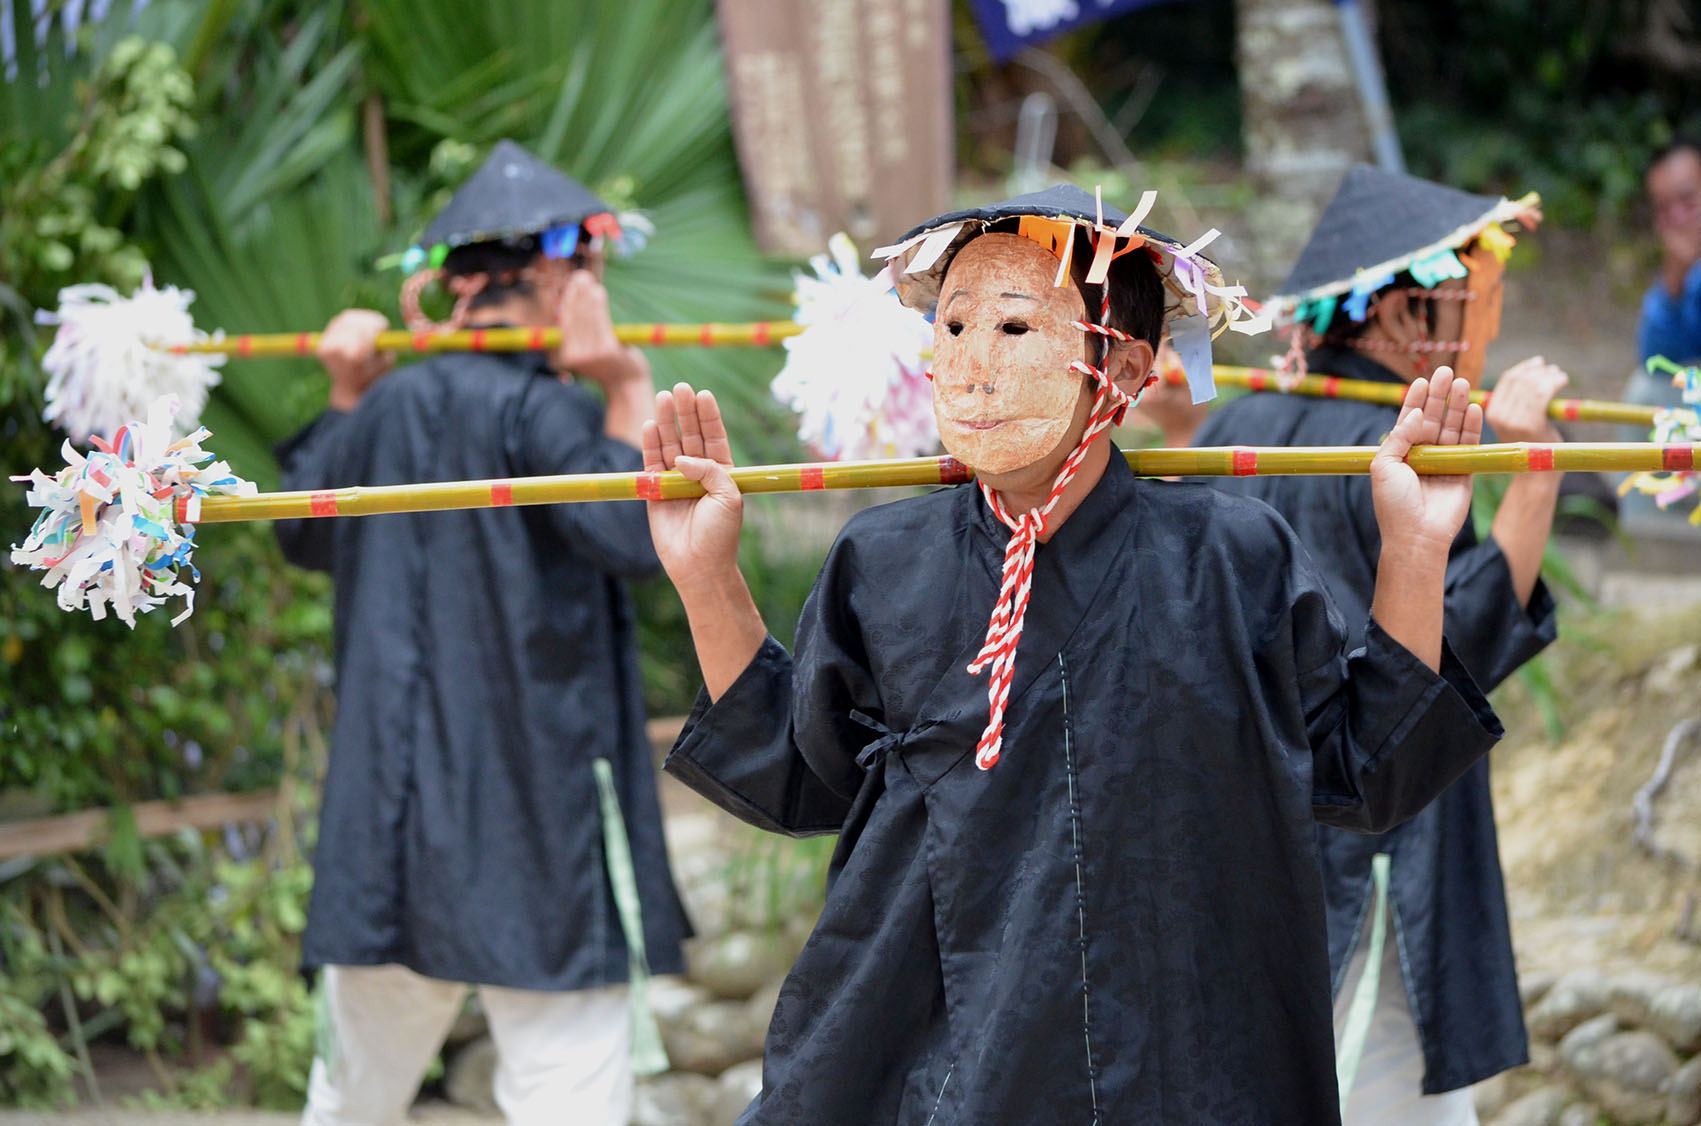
pixel 1388 1090
pixel 561 1057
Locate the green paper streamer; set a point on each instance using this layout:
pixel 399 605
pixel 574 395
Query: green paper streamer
pixel 1325 314
pixel 649 1056
pixel 1437 268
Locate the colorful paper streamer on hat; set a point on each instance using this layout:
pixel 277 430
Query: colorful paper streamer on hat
pixel 1672 484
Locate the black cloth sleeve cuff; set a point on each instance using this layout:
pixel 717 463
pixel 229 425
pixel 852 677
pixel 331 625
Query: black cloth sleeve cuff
pixel 738 753
pixel 1449 695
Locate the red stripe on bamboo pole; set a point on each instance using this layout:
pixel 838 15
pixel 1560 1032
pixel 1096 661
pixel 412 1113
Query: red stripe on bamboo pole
pixel 1541 459
pixel 1245 462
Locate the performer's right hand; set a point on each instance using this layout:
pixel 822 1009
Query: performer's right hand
pixel 349 350
pixel 697 540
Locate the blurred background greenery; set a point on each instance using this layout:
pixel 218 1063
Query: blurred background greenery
pixel 266 154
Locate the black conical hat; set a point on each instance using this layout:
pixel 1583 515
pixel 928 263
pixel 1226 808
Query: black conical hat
pixel 1381 222
pixel 513 193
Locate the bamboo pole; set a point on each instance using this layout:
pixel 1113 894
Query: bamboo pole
pixel 762 334
pixel 756 334
pixel 1393 394
pixel 1222 461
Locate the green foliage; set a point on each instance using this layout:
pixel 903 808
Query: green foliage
pixel 247 172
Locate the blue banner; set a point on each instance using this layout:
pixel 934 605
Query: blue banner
pixel 1010 25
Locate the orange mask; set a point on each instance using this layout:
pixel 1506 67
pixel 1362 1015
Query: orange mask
pixel 1485 278
pixel 1003 339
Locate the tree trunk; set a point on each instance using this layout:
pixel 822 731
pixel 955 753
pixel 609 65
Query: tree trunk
pixel 1303 124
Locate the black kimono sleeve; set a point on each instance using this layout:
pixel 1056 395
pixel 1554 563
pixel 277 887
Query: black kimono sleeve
pixel 1387 733
pixel 1491 630
pixel 308 461
pixel 779 748
pixel 560 431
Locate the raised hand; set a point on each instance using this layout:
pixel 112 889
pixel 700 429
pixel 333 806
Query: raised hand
pixel 589 347
pixel 1517 408
pixel 696 539
pixel 348 348
pixel 1420 516
pixel 1425 512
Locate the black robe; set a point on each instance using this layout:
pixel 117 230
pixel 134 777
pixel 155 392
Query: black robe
pixel 484 660
pixel 1121 921
pixel 1448 895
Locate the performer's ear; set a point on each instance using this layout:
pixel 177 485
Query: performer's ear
pixel 1128 363
pixel 1403 317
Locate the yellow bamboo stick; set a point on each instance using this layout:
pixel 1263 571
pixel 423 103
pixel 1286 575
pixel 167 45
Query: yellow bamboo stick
pixel 755 334
pixel 1393 394
pixel 761 334
pixel 1224 461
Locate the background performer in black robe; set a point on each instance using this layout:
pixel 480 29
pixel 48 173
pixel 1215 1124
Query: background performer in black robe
pixel 1083 886
pixel 1400 277
pixel 485 660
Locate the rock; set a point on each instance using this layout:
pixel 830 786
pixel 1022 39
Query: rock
pixel 1579 1114
pixel 735 965
pixel 1631 995
pixel 470 1025
pixel 670 996
pixel 1543 1057
pixel 1683 1101
pixel 1533 985
pixel 738 1085
pixel 470 1078
pixel 1541 1107
pixel 1495 1093
pixel 1580 1050
pixel 1674 673
pixel 1627 1073
pixel 1676 1015
pixel 674 1099
pixel 1576 997
pixel 709 1038
pixel 762 1005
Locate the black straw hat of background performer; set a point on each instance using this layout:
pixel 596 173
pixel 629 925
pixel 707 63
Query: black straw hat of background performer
pixel 512 194
pixel 1381 222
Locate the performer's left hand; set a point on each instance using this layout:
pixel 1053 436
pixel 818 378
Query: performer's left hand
pixel 590 349
pixel 588 344
pixel 1425 513
pixel 1517 408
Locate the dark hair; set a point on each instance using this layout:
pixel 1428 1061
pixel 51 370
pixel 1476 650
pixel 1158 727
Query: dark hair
pixel 1672 148
pixel 505 261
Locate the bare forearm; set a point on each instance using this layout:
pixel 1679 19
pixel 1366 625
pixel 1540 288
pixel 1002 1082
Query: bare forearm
pixel 726 627
pixel 1411 582
pixel 1522 525
pixel 629 404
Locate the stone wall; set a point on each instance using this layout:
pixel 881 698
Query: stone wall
pixel 1619 1048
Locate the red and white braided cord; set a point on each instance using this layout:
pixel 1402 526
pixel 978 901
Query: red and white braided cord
pixel 1004 630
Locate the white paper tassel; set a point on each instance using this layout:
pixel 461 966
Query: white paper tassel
pixel 101 371
pixel 108 535
pixel 856 376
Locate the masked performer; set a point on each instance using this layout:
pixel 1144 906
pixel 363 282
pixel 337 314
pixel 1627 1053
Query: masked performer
pixel 1402 276
pixel 485 660
pixel 1076 877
